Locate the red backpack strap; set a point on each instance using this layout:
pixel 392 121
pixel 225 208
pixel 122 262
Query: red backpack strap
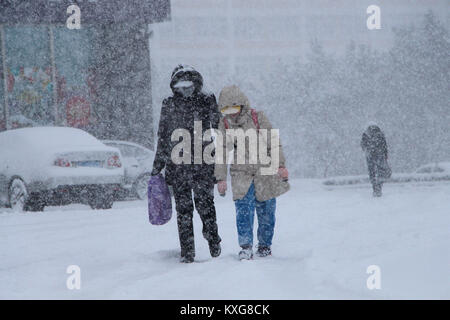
pixel 255 118
pixel 226 124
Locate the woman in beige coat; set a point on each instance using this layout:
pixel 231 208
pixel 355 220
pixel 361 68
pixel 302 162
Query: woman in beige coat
pixel 257 181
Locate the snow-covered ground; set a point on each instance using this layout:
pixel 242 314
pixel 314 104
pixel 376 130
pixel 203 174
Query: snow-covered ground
pixel 325 240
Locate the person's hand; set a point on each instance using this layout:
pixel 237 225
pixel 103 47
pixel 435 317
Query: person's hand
pixel 283 173
pixel 155 172
pixel 222 187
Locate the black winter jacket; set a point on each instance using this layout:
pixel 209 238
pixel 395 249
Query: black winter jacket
pixel 374 143
pixel 178 112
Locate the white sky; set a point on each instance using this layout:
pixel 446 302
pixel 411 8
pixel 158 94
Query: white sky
pixel 281 27
pixel 218 35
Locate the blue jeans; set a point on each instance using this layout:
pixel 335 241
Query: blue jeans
pixel 245 213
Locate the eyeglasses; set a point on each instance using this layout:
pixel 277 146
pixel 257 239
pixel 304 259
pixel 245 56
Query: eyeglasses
pixel 231 109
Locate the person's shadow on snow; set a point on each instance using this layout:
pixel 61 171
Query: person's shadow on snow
pixel 167 255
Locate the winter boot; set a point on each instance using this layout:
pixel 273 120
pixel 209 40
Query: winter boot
pixel 377 190
pixel 263 251
pixel 187 258
pixel 246 253
pixel 214 249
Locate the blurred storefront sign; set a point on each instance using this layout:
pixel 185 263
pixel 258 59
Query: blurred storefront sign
pixel 78 111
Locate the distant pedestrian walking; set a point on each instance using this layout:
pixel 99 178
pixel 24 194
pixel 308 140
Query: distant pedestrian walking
pixel 374 144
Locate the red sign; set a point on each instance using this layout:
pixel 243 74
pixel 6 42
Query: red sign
pixel 78 111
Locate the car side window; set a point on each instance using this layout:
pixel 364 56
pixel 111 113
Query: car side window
pixel 118 146
pixel 438 169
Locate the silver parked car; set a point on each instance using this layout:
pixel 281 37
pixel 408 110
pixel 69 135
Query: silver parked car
pixel 138 163
pixel 55 166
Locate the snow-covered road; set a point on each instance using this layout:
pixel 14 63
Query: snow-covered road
pixel 325 239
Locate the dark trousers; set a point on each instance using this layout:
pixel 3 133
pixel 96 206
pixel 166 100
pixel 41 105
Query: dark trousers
pixel 375 166
pixel 204 204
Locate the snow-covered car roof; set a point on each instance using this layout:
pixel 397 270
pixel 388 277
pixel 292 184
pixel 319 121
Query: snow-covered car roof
pixel 51 137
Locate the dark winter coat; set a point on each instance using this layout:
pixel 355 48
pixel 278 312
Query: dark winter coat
pixel 178 112
pixel 374 143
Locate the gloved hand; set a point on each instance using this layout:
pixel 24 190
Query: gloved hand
pixel 155 172
pixel 283 173
pixel 222 187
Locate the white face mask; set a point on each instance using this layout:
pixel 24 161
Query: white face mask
pixel 183 84
pixel 185 88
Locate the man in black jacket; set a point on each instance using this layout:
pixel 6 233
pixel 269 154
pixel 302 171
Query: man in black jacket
pixel 374 145
pixel 179 111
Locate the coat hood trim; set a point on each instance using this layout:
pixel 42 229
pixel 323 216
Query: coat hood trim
pixel 233 95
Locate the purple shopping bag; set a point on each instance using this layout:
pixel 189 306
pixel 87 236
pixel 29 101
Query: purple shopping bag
pixel 159 201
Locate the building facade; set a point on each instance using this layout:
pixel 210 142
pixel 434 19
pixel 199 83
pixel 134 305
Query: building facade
pixel 97 78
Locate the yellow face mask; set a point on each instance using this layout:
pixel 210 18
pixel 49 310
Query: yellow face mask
pixel 231 109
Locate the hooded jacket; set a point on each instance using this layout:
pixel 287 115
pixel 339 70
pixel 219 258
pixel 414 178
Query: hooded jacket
pixel 374 143
pixel 242 175
pixel 178 112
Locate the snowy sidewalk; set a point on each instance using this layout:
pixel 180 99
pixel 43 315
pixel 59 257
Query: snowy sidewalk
pixel 325 239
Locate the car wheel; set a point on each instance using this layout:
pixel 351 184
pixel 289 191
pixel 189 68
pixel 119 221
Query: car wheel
pixel 140 187
pixel 18 195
